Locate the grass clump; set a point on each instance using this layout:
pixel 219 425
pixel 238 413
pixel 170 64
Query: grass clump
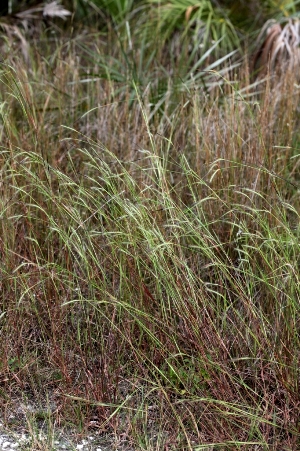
pixel 149 251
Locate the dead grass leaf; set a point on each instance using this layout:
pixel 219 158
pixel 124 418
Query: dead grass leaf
pixel 13 31
pixel 189 11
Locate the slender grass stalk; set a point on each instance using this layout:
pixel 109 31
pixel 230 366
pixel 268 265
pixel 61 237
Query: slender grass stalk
pixel 149 252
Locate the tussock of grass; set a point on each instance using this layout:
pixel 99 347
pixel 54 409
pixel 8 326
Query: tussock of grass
pixel 150 253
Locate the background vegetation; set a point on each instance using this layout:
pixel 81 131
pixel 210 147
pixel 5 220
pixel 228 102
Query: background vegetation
pixel 150 224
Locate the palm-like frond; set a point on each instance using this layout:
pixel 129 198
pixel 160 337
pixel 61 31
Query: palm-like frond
pixel 209 23
pixel 53 9
pixel 280 46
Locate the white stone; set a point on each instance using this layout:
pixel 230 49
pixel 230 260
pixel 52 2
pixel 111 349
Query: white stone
pixel 23 438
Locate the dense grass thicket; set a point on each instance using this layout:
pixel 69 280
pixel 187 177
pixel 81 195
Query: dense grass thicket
pixel 150 239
